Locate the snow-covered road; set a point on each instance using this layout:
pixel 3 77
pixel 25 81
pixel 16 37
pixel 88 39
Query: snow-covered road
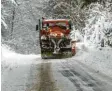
pixel 31 73
pixel 71 75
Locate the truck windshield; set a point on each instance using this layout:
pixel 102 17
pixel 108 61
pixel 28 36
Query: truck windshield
pixel 59 24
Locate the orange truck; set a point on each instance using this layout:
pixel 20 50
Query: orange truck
pixel 54 37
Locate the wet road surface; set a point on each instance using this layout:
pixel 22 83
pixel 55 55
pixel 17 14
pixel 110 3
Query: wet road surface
pixel 46 78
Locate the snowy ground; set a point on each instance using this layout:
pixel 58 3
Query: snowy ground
pixel 18 71
pixel 88 70
pixel 99 59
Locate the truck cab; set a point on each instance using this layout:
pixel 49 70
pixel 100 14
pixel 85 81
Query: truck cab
pixel 54 36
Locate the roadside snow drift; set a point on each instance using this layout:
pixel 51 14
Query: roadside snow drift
pixel 100 59
pixel 16 70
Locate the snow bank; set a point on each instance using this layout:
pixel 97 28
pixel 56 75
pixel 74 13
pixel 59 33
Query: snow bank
pixel 18 71
pixel 10 59
pixel 98 59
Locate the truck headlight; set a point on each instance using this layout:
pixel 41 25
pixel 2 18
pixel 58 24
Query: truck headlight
pixel 43 37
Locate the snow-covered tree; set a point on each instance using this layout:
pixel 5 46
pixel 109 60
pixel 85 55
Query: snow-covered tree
pixel 98 28
pixel 6 15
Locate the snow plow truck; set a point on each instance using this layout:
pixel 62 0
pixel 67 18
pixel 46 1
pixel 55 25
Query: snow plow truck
pixel 54 37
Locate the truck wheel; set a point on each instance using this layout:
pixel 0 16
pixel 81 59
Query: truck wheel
pixel 73 52
pixel 43 57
